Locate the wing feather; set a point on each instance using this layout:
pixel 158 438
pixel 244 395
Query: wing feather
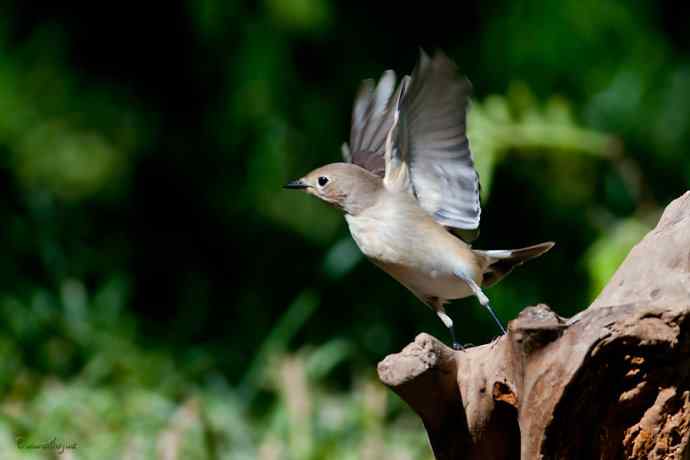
pixel 372 119
pixel 416 137
pixel 432 141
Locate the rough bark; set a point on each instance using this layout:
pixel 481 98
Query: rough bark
pixel 611 382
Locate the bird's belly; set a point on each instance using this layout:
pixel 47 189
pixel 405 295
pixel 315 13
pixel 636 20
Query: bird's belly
pixel 429 283
pixel 422 264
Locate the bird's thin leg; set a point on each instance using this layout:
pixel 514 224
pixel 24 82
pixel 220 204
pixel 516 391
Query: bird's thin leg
pixel 449 324
pixel 493 315
pixel 483 299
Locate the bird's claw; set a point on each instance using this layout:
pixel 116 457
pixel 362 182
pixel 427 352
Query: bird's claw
pixel 457 346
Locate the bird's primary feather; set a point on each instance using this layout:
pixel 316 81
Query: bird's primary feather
pixel 432 140
pixel 372 117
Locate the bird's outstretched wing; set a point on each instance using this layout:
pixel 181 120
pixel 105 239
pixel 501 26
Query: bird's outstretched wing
pixel 431 140
pixel 372 119
pixel 414 137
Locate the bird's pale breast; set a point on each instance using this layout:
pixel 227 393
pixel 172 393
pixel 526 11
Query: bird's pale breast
pixel 403 240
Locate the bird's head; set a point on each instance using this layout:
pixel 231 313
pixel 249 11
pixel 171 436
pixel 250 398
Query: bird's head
pixel 343 185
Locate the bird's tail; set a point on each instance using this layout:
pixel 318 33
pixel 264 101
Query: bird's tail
pixel 500 263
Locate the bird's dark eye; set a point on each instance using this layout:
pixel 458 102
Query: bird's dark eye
pixel 323 180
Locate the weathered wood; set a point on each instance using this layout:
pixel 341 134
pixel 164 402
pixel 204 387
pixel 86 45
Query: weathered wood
pixel 611 382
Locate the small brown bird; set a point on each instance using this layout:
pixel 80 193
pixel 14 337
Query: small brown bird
pixel 409 189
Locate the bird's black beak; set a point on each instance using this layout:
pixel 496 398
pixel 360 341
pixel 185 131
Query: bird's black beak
pixel 298 184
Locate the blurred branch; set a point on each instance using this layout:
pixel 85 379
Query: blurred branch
pixel 294 317
pixel 516 121
pixel 170 441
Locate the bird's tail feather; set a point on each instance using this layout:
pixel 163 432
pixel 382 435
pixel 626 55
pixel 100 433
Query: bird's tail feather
pixel 502 262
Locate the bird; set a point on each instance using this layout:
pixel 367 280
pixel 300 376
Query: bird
pixel 409 189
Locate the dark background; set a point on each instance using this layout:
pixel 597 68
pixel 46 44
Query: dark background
pixel 159 288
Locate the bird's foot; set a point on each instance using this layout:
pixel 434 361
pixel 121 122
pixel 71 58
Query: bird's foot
pixel 457 346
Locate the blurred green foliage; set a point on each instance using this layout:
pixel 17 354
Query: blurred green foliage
pixel 162 297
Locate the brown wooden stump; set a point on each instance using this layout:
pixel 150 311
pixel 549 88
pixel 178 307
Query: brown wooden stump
pixel 611 382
